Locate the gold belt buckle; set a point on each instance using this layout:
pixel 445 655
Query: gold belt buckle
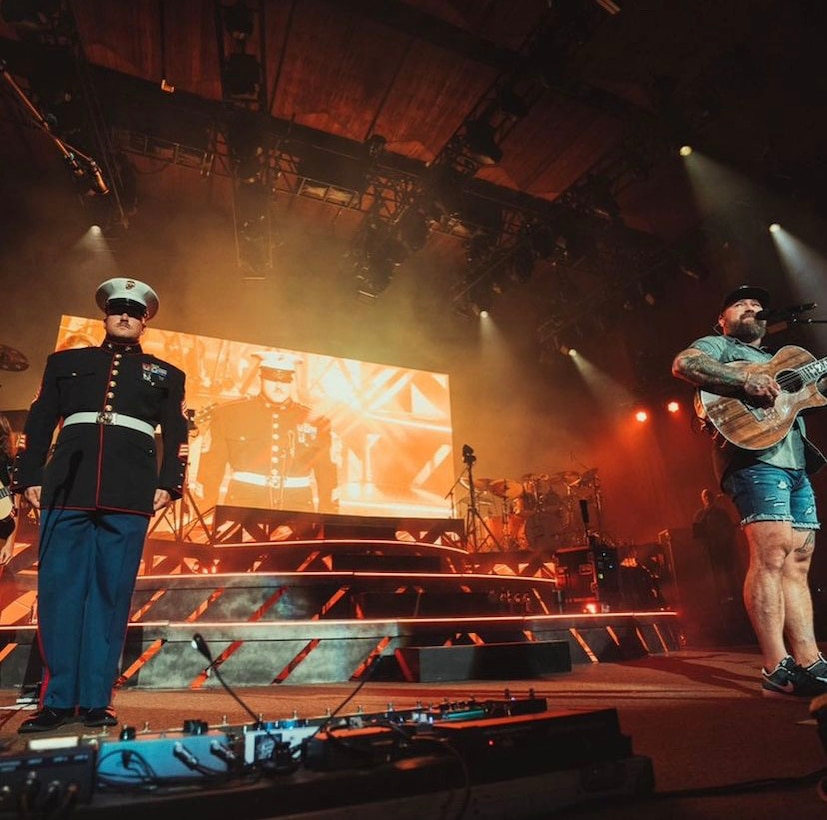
pixel 106 417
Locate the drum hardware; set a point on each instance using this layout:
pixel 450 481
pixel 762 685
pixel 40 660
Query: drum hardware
pixel 481 484
pixel 568 477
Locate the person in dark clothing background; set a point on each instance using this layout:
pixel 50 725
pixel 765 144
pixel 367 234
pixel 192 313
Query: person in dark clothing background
pixel 7 512
pixel 714 527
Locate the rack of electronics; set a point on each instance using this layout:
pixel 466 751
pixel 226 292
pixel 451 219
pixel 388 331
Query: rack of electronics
pixel 482 758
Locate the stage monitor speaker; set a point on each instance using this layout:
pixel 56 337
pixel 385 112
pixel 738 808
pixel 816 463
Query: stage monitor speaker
pixel 493 661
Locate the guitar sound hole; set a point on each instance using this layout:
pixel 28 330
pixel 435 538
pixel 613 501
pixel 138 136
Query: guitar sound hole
pixel 790 381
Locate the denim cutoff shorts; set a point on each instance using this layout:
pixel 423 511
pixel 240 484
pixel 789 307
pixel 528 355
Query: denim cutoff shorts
pixel 763 492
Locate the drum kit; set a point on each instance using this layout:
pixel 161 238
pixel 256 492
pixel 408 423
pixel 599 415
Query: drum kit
pixel 541 511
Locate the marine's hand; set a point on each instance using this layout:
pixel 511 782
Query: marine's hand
pixel 162 498
pixel 6 551
pixel 32 495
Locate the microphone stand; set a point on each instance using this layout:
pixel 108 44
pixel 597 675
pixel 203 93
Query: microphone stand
pixel 450 495
pixel 473 517
pixel 782 322
pixel 69 152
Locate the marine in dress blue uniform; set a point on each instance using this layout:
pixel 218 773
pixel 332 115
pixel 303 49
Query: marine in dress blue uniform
pixel 274 447
pixel 97 491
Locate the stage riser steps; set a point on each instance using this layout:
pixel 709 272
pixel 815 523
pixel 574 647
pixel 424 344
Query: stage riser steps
pixel 160 655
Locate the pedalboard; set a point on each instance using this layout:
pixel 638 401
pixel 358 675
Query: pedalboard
pixel 47 783
pixel 158 757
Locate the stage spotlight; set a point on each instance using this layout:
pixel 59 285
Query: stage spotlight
pixel 775 227
pixel 484 314
pixel 522 263
pixel 641 416
pixel 238 21
pixel 480 143
pixel 673 406
pixel 565 350
pixel 685 150
pixel 242 76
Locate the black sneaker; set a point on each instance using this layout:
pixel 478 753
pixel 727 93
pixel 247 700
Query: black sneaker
pixel 48 718
pixel 789 680
pixel 105 716
pixel 818 669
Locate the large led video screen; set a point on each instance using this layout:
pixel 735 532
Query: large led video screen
pixel 284 429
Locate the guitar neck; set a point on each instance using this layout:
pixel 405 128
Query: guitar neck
pixel 812 371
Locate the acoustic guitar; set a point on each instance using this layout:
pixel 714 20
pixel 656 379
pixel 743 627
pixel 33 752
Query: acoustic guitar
pixel 753 427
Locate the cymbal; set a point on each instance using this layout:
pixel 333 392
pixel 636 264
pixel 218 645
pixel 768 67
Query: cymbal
pixel 11 359
pixel 589 478
pixel 535 477
pixel 479 483
pixel 506 488
pixel 569 477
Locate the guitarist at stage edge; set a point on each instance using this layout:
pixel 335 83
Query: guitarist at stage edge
pixel 772 492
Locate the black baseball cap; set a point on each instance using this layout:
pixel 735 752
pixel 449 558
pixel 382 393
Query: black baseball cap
pixel 746 292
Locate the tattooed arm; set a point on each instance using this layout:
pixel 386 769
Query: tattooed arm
pixel 738 379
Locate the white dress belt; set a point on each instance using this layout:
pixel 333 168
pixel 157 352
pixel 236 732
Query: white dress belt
pixel 288 482
pixel 116 419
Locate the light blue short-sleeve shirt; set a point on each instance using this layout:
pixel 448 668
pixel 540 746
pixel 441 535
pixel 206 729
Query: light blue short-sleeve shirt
pixel 789 452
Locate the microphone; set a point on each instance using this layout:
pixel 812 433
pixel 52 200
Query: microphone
pixel 200 644
pixel 467 450
pixel 99 186
pixel 786 313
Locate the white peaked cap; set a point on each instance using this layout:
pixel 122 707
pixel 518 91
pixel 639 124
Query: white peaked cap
pixel 130 289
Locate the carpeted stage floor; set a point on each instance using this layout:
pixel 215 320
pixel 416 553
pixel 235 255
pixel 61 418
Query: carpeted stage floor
pixel 718 748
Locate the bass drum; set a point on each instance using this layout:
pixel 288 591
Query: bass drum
pixel 544 531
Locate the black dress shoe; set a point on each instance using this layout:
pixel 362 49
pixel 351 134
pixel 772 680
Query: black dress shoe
pixel 49 717
pixel 99 716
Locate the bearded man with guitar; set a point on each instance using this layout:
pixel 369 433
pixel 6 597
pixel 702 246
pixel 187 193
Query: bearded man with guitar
pixel 750 401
